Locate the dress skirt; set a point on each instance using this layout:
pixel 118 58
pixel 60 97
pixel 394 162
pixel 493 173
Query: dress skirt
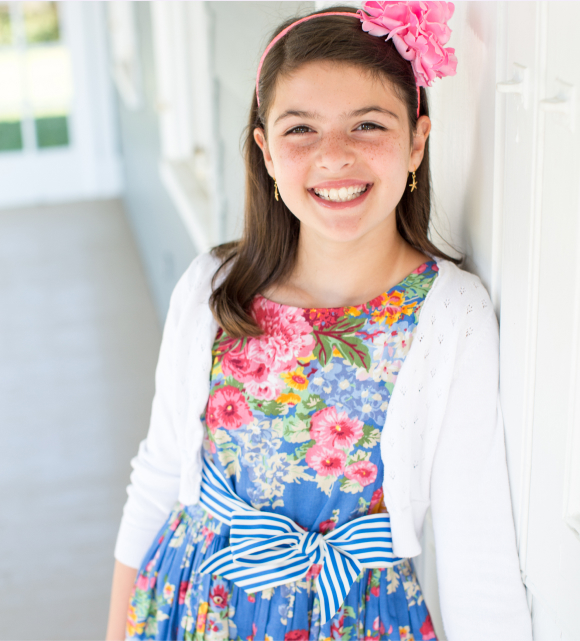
pixel 172 600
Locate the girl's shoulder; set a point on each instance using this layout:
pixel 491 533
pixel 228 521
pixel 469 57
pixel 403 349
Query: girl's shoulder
pixel 456 284
pixel 195 283
pixel 188 305
pixel 458 302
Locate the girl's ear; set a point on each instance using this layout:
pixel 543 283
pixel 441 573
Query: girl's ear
pixel 419 141
pixel 262 143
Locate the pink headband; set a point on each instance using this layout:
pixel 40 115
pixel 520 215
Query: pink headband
pixel 418 29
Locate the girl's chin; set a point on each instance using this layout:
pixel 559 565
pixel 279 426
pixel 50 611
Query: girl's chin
pixel 343 229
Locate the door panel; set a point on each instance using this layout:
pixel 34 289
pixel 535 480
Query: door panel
pixel 51 116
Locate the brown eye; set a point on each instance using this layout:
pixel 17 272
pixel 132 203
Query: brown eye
pixel 369 126
pixel 301 129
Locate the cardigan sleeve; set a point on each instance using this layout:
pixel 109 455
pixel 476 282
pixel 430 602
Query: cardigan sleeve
pixel 481 592
pixel 155 478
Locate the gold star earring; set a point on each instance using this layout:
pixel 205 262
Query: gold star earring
pixel 276 190
pixel 413 185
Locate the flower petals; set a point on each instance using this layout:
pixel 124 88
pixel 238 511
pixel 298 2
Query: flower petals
pixel 418 30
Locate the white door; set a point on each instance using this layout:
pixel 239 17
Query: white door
pixel 540 306
pixel 57 139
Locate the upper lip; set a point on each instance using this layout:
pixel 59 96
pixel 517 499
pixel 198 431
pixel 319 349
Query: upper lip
pixel 337 184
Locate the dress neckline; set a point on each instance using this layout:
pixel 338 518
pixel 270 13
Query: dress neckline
pixel 429 263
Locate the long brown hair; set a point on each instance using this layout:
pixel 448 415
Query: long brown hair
pixel 266 252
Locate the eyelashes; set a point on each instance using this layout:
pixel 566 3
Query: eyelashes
pixel 295 130
pixel 371 124
pixel 303 129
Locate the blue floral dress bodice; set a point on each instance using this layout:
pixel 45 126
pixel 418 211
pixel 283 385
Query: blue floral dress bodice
pixel 293 423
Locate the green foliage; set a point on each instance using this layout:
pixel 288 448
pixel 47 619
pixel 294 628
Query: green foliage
pixel 300 452
pixel 349 612
pixel 371 436
pixel 313 402
pixel 270 408
pixel 342 335
pixel 358 455
pixel 296 430
pixel 349 486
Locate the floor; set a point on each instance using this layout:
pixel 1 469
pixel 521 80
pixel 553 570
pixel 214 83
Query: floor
pixel 79 339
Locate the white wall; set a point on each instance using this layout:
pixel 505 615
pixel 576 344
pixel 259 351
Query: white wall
pixel 506 169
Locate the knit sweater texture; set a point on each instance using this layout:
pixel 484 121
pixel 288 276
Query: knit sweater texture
pixel 442 446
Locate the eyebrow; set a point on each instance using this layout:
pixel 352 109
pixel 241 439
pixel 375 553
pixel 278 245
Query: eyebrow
pixel 353 114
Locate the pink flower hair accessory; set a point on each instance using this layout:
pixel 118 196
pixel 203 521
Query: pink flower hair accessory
pixel 418 30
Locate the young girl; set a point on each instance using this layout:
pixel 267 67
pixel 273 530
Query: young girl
pixel 327 378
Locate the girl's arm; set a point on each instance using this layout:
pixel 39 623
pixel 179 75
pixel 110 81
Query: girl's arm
pixel 481 591
pixel 155 478
pixel 123 580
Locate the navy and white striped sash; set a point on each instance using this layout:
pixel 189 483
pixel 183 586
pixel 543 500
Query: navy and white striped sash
pixel 267 550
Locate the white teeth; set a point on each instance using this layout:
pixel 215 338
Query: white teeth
pixel 341 195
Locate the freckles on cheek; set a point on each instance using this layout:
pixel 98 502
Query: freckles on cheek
pixel 293 155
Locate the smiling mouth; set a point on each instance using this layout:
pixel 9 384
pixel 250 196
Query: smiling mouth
pixel 342 195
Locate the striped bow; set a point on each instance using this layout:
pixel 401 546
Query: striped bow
pixel 267 550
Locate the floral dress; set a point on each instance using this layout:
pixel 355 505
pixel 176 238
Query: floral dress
pixel 293 423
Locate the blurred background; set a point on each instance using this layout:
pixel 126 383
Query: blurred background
pixel 120 133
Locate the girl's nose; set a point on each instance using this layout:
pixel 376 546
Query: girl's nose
pixel 335 153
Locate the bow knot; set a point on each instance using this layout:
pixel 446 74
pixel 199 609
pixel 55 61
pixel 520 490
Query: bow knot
pixel 313 546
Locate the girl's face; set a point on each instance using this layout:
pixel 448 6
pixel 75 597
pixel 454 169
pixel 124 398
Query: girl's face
pixel 339 146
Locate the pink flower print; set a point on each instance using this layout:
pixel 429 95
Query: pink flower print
pixel 323 317
pixel 142 582
pixel 286 335
pixel 207 534
pixel 267 390
pixel 254 630
pixel 376 302
pixel 182 592
pixel 219 596
pixel 420 269
pixel 364 472
pixel 378 625
pixel 336 628
pixel 377 504
pixel 327 461
pixel 427 629
pixel 238 365
pixel 228 408
pixel 334 429
pixel 211 417
pixel 326 526
pixel 313 571
pixel 297 635
pixel 375 591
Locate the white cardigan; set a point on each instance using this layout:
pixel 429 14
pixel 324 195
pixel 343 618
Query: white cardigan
pixel 442 446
